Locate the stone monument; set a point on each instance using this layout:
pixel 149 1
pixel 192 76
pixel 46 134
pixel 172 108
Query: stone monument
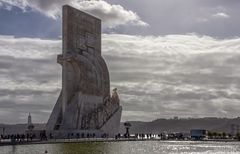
pixel 85 103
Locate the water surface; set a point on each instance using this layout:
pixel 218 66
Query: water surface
pixel 134 147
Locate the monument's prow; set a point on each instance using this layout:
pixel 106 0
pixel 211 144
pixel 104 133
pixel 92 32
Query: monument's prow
pixel 85 104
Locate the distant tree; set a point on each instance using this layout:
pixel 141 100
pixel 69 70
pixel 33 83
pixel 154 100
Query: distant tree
pixel 230 135
pixel 214 134
pixel 224 135
pixel 238 136
pixel 219 134
pixel 210 134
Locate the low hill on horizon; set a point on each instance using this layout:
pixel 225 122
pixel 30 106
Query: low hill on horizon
pixel 155 127
pixel 183 125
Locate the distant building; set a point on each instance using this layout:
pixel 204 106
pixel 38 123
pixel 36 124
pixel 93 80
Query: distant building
pixel 29 119
pixel 31 132
pixel 30 125
pixel 198 134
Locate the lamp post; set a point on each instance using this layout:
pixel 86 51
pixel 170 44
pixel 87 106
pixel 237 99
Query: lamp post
pixel 127 126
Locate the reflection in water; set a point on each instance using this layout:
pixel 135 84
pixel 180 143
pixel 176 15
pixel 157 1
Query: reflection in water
pixel 137 147
pixel 13 149
pixel 82 148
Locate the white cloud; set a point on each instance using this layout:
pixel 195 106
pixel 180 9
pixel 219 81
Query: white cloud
pixel 221 15
pixel 111 15
pixel 19 3
pixel 156 76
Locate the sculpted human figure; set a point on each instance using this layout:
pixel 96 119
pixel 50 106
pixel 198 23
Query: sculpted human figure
pixel 115 98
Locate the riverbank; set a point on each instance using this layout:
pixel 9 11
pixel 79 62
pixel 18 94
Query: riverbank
pixel 89 140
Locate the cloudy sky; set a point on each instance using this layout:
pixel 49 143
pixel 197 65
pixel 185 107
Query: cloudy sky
pixel 167 58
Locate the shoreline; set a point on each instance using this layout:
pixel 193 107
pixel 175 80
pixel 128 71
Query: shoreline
pixel 61 141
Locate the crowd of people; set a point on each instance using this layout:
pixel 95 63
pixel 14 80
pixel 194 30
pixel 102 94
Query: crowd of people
pixel 23 137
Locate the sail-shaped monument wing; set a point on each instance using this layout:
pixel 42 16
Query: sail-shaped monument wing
pixel 85 104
